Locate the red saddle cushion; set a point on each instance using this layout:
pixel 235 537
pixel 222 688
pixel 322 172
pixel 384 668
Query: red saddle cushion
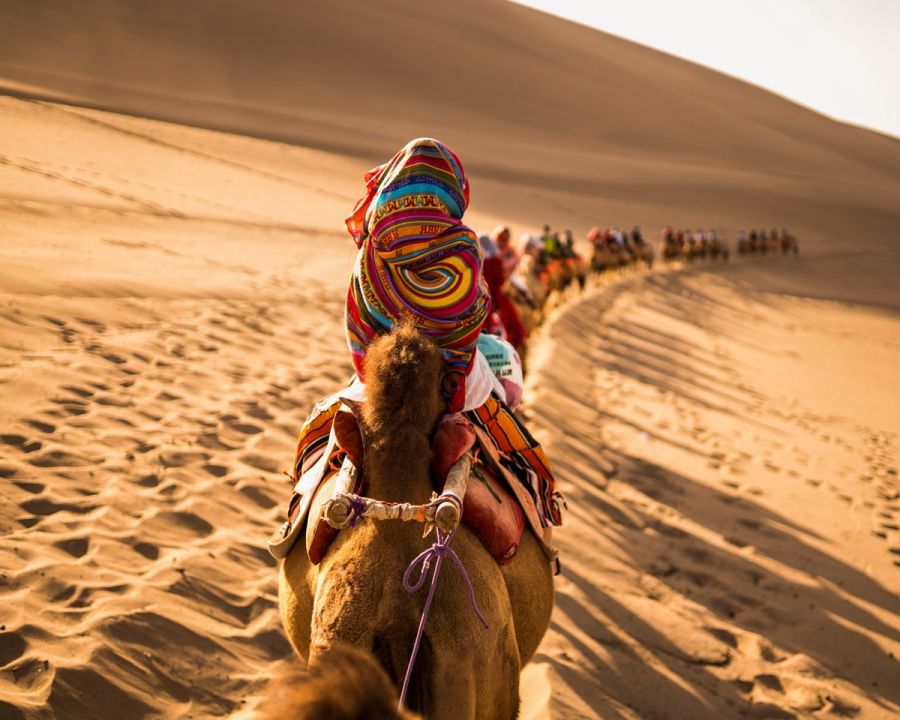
pixel 493 514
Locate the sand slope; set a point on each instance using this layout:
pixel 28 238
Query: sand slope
pixel 557 122
pixel 731 468
pixel 162 336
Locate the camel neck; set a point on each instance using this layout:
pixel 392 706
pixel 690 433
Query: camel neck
pixel 398 467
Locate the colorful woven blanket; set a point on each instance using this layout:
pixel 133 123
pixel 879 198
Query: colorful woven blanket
pixel 416 259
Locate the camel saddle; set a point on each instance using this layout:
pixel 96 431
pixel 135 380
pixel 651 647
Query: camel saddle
pixel 496 506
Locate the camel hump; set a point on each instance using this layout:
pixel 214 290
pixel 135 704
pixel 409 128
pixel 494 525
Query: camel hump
pixel 345 683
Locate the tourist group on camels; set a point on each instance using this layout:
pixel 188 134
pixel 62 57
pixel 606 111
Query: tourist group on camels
pixel 522 277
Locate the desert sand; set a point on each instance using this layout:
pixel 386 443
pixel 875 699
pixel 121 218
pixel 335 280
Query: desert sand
pixel 171 289
pixel 741 547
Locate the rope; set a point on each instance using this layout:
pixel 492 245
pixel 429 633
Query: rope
pixel 363 507
pixel 358 508
pixel 440 550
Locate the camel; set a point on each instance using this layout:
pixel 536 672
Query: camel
pixel 602 259
pixel 346 684
pixel 531 316
pixel 355 597
pixel 643 253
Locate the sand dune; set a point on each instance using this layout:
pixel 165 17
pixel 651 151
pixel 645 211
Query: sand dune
pixel 734 554
pixel 170 308
pixel 558 122
pixel 732 528
pixel 154 375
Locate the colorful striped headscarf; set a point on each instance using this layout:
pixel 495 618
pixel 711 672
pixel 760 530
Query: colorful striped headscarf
pixel 416 259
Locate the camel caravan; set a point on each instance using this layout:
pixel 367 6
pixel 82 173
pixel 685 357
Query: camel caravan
pixel 700 245
pixel 527 279
pixel 760 243
pixel 613 248
pixel 690 246
pixel 416 561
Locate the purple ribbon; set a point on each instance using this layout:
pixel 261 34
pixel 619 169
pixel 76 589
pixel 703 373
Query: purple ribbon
pixel 440 550
pixel 358 508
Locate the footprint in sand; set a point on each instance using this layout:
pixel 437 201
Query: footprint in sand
pixel 795 679
pixel 32 487
pixel 246 428
pixel 80 391
pixel 59 458
pixel 76 547
pixel 12 647
pixel 43 507
pixel 21 443
pixel 770 681
pixel 108 356
pixel 149 481
pixel 212 441
pixel 113 401
pixel 93 324
pixel 44 427
pixel 254 410
pixel 258 496
pixel 172 490
pixel 260 462
pixel 177 525
pixel 180 458
pixel 70 406
pixel 146 549
pixel 216 470
pixel 54 321
pixel 884 475
pixel 723 635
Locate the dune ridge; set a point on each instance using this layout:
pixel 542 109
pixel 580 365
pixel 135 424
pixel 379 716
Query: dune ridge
pixel 577 121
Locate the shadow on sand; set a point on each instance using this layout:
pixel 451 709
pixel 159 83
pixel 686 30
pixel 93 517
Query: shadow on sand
pixel 773 614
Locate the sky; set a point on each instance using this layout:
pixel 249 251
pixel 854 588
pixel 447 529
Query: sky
pixel 840 57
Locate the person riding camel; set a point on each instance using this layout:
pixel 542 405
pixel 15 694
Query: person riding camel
pixel 567 246
pixel 548 241
pixel 510 325
pixel 417 263
pixel 637 238
pixel 510 256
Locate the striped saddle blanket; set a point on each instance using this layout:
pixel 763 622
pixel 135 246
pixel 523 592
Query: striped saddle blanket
pixel 510 486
